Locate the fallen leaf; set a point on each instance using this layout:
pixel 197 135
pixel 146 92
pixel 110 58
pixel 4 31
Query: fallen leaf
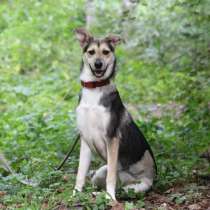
pixel 117 206
pixel 2 193
pixel 18 205
pixel 60 190
pixel 163 206
pixel 194 207
pixel 44 206
pixel 2 206
pixel 169 191
pixel 62 207
pixel 65 178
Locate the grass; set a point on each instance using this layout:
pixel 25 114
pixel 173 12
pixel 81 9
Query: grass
pixel 39 88
pixel 38 124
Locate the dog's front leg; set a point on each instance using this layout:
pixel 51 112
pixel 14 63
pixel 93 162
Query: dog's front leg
pixel 112 164
pixel 84 163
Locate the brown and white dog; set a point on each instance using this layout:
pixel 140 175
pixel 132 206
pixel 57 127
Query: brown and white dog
pixel 105 126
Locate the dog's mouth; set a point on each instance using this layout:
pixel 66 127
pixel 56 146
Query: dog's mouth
pixel 98 72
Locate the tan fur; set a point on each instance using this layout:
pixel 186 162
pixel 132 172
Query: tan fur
pixel 112 163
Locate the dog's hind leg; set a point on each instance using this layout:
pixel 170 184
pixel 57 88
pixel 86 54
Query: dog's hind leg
pixel 140 175
pixel 143 185
pixel 99 178
pixel 126 178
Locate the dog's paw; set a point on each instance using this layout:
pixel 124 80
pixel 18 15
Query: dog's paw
pixel 110 197
pixel 107 195
pixel 76 191
pixel 113 202
pixel 96 193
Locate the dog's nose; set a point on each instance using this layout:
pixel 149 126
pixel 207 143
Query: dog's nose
pixel 98 64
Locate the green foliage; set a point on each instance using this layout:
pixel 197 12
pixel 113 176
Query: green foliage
pixel 163 77
pixel 42 32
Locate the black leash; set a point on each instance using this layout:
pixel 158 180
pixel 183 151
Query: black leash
pixel 71 149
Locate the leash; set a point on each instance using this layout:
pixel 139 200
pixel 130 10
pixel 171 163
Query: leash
pixel 71 149
pixel 6 166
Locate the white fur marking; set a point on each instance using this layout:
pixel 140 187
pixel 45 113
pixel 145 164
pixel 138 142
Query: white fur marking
pixel 143 186
pixel 93 119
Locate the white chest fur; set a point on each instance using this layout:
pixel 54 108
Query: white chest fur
pixel 93 119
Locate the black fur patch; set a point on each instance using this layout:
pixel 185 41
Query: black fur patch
pixel 81 66
pixel 86 47
pixel 132 142
pixel 110 46
pixel 113 70
pixel 80 97
pixel 96 41
pixel 116 108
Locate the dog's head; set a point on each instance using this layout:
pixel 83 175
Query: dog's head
pixel 98 54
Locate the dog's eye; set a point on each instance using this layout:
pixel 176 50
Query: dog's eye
pixel 105 52
pixel 91 52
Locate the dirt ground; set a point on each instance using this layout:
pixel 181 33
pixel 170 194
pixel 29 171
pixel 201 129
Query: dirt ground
pixel 192 196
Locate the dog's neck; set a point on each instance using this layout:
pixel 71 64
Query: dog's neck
pixel 93 95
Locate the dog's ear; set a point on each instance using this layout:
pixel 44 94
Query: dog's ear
pixel 114 40
pixel 83 36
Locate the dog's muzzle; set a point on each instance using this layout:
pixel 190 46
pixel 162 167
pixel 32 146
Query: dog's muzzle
pixel 98 72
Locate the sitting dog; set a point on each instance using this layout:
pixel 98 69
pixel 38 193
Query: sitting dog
pixel 105 126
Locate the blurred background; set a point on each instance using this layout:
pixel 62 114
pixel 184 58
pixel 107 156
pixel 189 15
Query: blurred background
pixel 163 78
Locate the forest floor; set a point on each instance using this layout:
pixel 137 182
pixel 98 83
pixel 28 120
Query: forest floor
pixel 193 196
pixel 171 191
pixel 166 91
pixel 183 196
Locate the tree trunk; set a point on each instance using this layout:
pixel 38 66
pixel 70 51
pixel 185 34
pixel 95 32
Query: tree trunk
pixel 90 13
pixel 128 7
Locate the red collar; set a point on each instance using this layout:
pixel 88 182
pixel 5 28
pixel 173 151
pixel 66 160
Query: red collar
pixel 95 84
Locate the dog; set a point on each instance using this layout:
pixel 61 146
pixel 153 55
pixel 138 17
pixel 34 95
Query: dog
pixel 105 126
